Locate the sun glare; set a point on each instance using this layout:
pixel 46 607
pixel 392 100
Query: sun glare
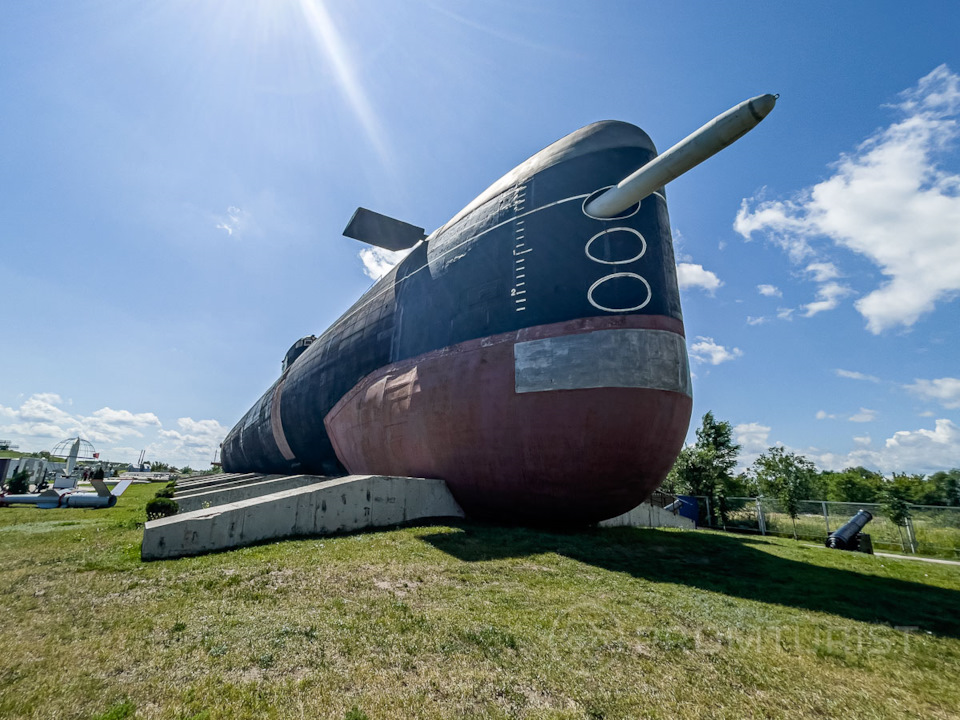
pixel 329 43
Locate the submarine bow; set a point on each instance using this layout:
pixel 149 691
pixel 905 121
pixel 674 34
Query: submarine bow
pixel 529 353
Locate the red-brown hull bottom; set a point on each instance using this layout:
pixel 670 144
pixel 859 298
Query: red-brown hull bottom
pixel 556 457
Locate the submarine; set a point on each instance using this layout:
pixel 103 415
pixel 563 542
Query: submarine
pixel 530 352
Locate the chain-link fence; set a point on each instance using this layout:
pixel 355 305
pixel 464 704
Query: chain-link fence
pixel 929 530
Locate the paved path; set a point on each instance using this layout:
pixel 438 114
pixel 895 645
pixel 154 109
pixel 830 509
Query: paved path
pixel 917 557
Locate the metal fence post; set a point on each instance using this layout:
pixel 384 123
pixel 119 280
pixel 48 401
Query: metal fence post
pixel 709 517
pixel 760 521
pixel 826 519
pixel 911 536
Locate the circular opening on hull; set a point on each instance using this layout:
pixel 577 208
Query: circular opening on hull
pixel 613 243
pixel 620 292
pixel 629 212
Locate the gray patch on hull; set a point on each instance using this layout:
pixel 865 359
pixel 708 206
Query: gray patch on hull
pixel 633 358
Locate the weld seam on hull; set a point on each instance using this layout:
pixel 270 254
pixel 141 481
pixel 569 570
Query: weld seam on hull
pixel 276 424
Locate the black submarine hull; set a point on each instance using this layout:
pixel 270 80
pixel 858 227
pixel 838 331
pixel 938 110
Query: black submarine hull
pixel 529 354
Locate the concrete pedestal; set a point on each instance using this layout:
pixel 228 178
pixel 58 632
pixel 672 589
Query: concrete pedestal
pixel 326 506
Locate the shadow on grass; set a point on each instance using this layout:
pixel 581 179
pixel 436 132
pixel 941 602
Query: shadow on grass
pixel 731 565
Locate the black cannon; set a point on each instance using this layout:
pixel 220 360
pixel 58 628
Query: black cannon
pixel 848 536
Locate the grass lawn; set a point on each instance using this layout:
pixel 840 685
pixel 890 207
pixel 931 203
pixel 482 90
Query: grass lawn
pixel 466 621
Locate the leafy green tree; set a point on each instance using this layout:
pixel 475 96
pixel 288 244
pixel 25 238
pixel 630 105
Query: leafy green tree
pixel 186 470
pixel 910 488
pixel 706 467
pixel 947 484
pixel 856 484
pixel 786 476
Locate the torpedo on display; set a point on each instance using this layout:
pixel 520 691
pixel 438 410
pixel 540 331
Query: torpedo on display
pixel 53 498
pixel 530 352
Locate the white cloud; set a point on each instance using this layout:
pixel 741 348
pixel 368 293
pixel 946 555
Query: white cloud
pixel 913 451
pixel 823 271
pixel 854 375
pixel 828 297
pixel 824 415
pixel 785 313
pixel 17 431
pixel 752 437
pixel 888 201
pixel 865 415
pixel 38 424
pixel 690 276
pixel 125 417
pixel 235 220
pixel 706 350
pixel 769 291
pixel 756 320
pixel 863 440
pixel 195 443
pixel 42 407
pixel 946 390
pixel 377 262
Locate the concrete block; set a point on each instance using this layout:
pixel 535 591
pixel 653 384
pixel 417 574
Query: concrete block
pixel 213 481
pixel 327 506
pixel 647 515
pixel 244 490
pixel 225 485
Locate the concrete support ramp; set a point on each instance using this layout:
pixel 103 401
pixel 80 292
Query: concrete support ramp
pixel 255 487
pixel 649 515
pixel 209 481
pixel 327 506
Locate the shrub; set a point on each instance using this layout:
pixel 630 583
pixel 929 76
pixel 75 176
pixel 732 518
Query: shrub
pixel 161 507
pixel 166 492
pixel 19 483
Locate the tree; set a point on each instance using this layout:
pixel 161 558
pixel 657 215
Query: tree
pixel 786 476
pixel 706 468
pixel 855 484
pixel 947 484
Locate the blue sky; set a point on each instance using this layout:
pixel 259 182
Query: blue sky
pixel 176 175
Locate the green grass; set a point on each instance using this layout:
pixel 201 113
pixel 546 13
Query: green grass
pixel 466 621
pixel 19 454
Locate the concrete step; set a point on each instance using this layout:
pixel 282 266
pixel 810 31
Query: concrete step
pixel 322 507
pixel 212 480
pixel 225 485
pixel 262 485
